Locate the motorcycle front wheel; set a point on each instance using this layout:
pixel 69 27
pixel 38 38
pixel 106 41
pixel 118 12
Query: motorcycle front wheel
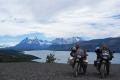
pixel 76 69
pixel 103 70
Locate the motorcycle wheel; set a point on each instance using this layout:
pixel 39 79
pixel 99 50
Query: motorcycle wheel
pixel 76 69
pixel 103 70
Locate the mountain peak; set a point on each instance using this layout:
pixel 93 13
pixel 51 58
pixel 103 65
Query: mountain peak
pixel 31 38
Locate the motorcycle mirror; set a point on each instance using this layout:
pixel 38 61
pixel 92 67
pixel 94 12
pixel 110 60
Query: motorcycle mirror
pixel 88 51
pixel 86 54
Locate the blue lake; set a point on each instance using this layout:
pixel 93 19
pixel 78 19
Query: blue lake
pixel 62 56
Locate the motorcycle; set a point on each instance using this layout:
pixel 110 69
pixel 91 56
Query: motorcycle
pixel 79 66
pixel 104 65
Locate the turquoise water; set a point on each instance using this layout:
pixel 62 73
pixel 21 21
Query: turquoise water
pixel 62 56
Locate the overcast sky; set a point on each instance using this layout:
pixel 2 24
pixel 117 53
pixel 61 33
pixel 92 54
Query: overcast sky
pixel 48 19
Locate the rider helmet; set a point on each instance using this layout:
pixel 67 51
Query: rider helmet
pixel 104 46
pixel 73 49
pixel 97 48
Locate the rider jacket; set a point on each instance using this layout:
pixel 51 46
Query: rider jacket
pixel 109 52
pixel 81 52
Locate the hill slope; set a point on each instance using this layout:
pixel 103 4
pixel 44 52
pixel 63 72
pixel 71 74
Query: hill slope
pixel 14 56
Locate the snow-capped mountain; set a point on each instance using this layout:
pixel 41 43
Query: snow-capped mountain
pixel 32 43
pixel 59 41
pixel 74 40
pixel 67 40
pixel 34 40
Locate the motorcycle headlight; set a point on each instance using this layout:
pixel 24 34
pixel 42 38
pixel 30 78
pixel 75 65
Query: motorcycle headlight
pixel 77 59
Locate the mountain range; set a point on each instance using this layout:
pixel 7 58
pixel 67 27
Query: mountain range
pixel 33 43
pixel 112 43
pixel 65 44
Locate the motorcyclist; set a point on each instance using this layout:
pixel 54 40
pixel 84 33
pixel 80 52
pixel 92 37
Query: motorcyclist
pixel 79 51
pixel 105 49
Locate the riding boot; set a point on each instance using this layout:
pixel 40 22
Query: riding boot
pixel 98 67
pixel 85 70
pixel 107 71
pixel 73 65
pixel 84 67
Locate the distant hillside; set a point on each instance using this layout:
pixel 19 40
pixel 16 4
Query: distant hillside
pixel 113 44
pixel 14 56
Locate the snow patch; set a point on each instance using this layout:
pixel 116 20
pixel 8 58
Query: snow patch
pixel 32 38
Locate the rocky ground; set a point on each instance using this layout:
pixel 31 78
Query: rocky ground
pixel 46 71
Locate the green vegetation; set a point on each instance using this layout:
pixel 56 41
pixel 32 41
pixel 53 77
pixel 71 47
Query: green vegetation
pixel 50 58
pixel 15 56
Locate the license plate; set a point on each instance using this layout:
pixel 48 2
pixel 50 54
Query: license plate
pixel 104 61
pixel 105 58
pixel 77 59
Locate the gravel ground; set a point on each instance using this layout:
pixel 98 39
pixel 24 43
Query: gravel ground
pixel 46 71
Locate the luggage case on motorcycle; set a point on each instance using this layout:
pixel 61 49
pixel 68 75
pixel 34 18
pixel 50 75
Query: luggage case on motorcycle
pixel 70 61
pixel 85 63
pixel 95 63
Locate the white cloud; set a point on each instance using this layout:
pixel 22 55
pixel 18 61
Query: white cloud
pixel 60 18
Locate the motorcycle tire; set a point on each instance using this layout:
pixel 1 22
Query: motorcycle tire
pixel 76 69
pixel 103 70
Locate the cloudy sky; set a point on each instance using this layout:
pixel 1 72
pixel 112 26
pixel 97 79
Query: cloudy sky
pixel 48 19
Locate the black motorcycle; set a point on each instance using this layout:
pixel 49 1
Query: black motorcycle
pixel 104 64
pixel 79 66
